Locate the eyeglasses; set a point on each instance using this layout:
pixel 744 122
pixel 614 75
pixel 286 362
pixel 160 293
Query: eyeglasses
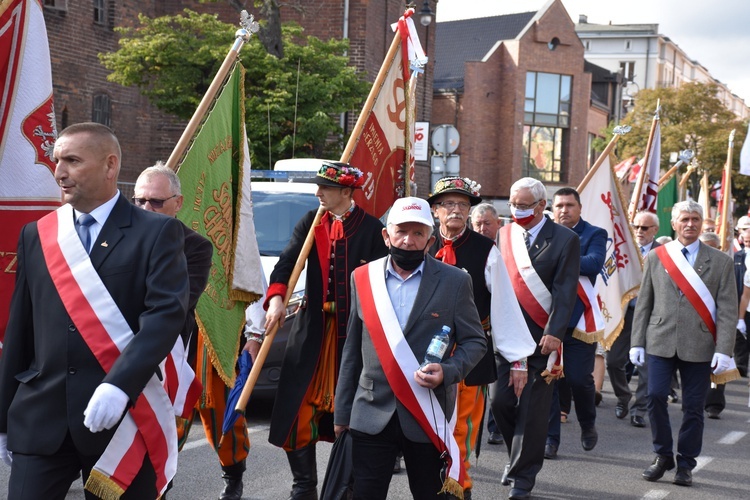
pixel 155 202
pixel 450 205
pixel 642 228
pixel 523 207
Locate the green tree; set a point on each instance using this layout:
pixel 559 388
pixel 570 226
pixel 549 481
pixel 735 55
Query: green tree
pixel 692 117
pixel 292 103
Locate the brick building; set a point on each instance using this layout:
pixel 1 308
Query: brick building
pixel 516 88
pixel 79 30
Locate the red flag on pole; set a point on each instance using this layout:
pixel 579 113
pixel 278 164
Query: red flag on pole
pixel 384 133
pixel 27 132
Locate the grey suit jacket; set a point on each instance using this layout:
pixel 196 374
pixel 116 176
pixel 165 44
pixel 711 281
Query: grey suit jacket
pixel 665 322
pixel 364 399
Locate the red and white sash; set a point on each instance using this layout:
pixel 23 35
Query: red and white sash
pixel 399 364
pixel 690 284
pixel 149 426
pixel 590 326
pixel 532 294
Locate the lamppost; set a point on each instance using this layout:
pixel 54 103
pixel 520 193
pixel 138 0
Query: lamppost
pixel 425 19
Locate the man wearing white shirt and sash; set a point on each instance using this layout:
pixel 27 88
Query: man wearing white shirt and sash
pixel 543 261
pixel 387 401
pixel 684 320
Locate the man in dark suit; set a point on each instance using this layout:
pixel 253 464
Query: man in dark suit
pixel 158 189
pixel 645 226
pixel 579 347
pixel 685 320
pixel 346 238
pixel 388 401
pixel 543 261
pixel 74 362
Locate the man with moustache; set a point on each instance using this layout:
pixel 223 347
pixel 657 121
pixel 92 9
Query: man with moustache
pixel 684 320
pixel 457 245
pixel 645 226
pixel 388 401
pixel 543 263
pixel 346 238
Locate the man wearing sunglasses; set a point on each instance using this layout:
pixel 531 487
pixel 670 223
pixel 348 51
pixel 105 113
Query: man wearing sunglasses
pixel 645 226
pixel 158 189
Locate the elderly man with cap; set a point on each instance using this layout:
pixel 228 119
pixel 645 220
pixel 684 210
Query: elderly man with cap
pixel 457 245
pixel 346 237
pixel 386 396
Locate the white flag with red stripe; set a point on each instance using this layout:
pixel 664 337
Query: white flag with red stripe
pixel 620 277
pixel 650 189
pixel 27 132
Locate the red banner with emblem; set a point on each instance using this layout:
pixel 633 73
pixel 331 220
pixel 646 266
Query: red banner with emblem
pixel 27 132
pixel 384 133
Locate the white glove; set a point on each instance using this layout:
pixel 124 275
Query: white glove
pixel 4 453
pixel 637 355
pixel 105 408
pixel 742 327
pixel 720 363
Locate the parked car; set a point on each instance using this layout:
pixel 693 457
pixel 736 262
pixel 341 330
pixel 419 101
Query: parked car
pixel 277 207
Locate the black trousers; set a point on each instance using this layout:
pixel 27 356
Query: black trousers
pixel 523 421
pixel 373 457
pixel 34 477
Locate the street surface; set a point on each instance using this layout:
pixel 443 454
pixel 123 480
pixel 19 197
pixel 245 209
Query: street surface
pixel 611 471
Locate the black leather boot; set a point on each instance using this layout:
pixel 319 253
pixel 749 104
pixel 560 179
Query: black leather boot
pixel 305 473
pixel 232 475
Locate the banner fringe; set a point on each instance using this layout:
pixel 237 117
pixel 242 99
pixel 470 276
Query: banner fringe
pixel 103 486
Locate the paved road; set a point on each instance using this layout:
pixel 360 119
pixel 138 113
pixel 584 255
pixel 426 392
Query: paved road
pixel 611 471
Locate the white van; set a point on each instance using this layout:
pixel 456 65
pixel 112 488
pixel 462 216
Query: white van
pixel 278 204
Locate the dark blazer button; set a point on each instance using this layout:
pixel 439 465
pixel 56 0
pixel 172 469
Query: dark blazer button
pixel 71 327
pixel 72 370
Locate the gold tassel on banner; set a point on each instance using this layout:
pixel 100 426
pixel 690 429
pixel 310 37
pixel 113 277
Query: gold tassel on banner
pixel 589 338
pixel 324 382
pixel 452 487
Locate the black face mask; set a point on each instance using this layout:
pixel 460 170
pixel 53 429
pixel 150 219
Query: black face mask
pixel 406 259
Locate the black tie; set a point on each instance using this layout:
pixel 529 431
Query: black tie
pixel 685 253
pixel 527 239
pixel 82 228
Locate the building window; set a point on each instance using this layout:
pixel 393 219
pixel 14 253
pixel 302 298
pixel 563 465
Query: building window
pixel 64 120
pixel 587 44
pixel 627 68
pixel 628 45
pixel 101 12
pixel 546 116
pixel 56 4
pixel 542 153
pixel 102 110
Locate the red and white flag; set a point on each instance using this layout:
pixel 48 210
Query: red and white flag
pixel 650 188
pixel 27 132
pixel 384 133
pixel 620 277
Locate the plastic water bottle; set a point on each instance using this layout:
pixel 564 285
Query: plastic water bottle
pixel 438 346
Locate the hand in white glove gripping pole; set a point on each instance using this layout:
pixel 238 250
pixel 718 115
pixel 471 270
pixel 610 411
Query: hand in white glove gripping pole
pixel 720 363
pixel 105 408
pixel 4 453
pixel 637 355
pixel 742 327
